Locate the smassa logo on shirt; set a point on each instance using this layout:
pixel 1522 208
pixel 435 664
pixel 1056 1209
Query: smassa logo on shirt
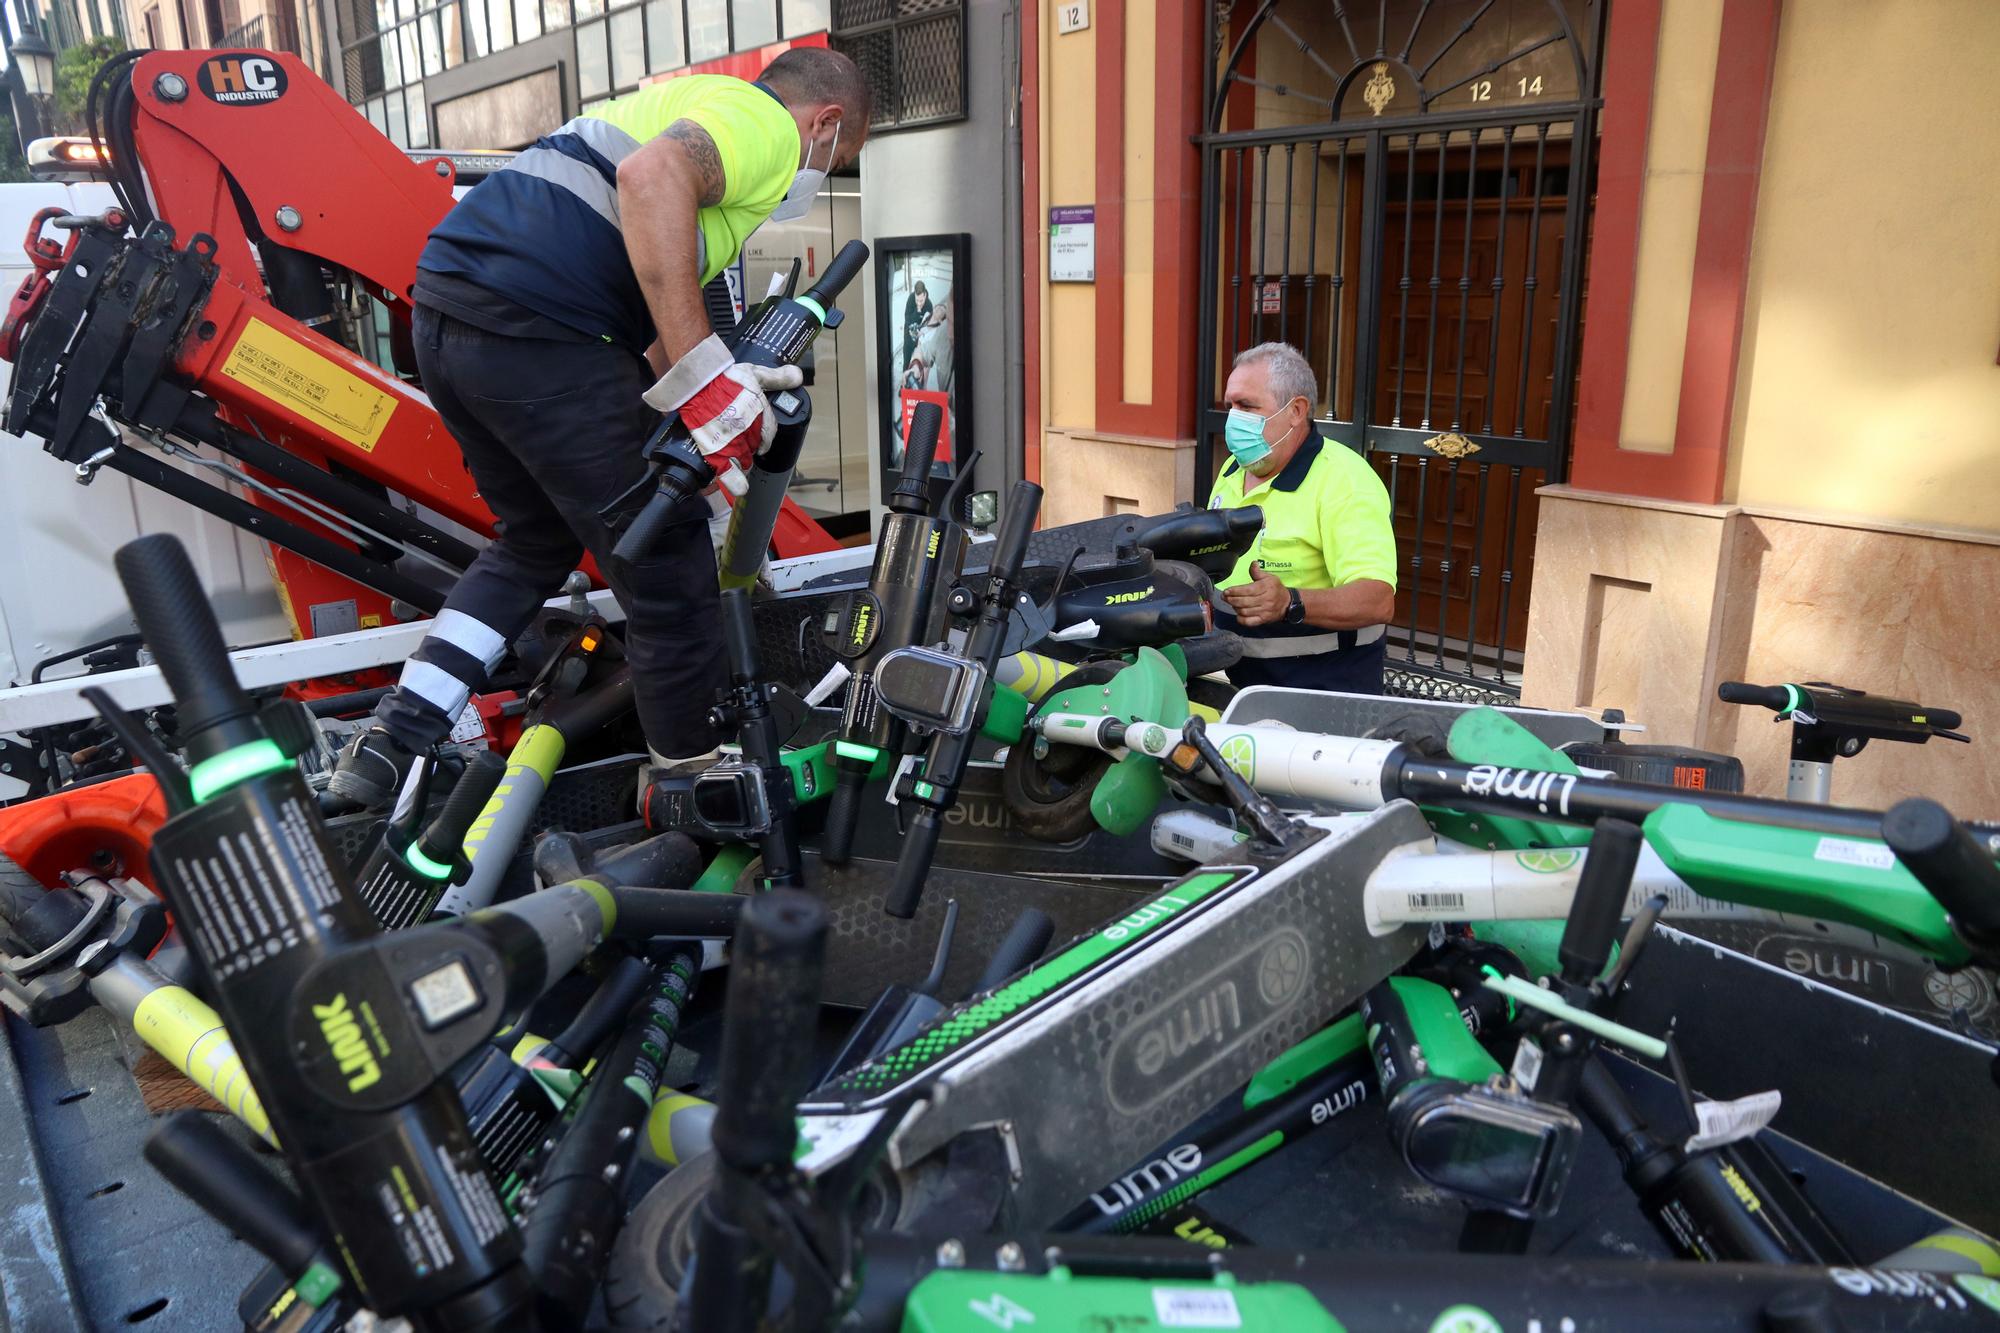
pixel 237 80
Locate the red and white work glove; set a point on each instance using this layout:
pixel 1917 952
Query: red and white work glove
pixel 722 403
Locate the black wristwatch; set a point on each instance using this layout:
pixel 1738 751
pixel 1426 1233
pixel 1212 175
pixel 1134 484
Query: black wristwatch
pixel 1295 614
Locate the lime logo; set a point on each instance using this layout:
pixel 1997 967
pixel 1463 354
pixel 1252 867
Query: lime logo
pixel 1982 1289
pixel 1549 861
pixel 1465 1319
pixel 349 1047
pixel 1240 753
pixel 1115 598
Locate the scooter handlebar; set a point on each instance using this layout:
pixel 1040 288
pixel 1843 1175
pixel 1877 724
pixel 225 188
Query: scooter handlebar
pixel 1949 861
pixel 182 632
pixel 1774 697
pixel 1017 526
pixel 913 867
pixel 221 1175
pixel 846 264
pixel 767 1035
pixel 652 520
pixel 446 834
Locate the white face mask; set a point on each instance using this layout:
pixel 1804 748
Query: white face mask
pixel 798 200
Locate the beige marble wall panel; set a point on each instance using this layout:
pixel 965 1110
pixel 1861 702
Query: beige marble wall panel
pixel 1891 613
pixel 1089 476
pixel 1647 606
pixel 1623 601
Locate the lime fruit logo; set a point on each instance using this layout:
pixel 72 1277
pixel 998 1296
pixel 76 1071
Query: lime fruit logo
pixel 1465 1319
pixel 1548 860
pixel 1240 753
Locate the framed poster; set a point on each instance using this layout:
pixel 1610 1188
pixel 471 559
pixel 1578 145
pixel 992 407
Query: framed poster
pixel 924 300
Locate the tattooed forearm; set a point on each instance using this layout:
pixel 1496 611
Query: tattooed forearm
pixel 701 155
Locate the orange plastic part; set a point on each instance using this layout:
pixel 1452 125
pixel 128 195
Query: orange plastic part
pixel 106 829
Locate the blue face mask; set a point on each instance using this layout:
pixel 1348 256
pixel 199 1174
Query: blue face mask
pixel 1243 432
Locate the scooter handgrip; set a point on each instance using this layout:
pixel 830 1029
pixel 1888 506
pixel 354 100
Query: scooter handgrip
pixel 1017 526
pixel 1021 946
pixel 1947 860
pixel 646 914
pixel 1599 901
pixel 180 628
pixel 1774 697
pixel 1943 719
pixel 843 813
pixel 601 1013
pixel 221 1175
pixel 913 867
pixel 739 634
pixel 647 529
pixel 926 423
pixel 663 861
pixel 446 834
pixel 846 263
pixel 770 1017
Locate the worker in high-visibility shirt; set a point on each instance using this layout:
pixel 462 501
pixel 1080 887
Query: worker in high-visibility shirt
pixel 558 312
pixel 1313 594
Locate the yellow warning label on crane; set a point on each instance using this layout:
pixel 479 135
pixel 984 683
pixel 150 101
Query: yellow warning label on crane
pixel 316 387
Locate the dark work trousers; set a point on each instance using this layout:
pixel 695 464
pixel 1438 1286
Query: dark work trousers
pixel 551 432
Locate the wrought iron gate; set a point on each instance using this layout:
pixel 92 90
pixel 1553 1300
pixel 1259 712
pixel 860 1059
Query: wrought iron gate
pixel 1401 189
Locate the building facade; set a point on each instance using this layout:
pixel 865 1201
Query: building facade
pixel 1668 389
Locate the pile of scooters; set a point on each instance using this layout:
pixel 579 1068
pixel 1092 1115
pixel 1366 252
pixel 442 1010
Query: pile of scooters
pixel 1004 941
pixel 820 1061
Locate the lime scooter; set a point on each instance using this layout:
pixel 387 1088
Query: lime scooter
pixel 1523 803
pixel 1831 722
pixel 775 1248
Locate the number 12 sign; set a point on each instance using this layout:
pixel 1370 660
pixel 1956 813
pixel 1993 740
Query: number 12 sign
pixel 1072 16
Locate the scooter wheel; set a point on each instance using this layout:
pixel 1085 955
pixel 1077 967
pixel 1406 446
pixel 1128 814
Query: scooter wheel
pixel 642 1282
pixel 1049 798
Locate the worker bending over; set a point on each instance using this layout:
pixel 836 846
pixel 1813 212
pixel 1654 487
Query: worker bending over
pixel 558 313
pixel 1312 595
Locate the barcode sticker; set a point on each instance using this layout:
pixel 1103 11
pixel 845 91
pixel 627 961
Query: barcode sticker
pixel 469 727
pixel 1437 902
pixel 1850 852
pixel 1195 1307
pixel 1527 1064
pixel 1726 1122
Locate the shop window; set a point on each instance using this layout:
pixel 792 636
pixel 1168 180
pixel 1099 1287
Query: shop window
pixel 708 29
pixel 664 49
pixel 756 24
pixel 593 67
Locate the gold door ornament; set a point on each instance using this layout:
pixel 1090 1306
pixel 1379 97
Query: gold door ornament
pixel 1451 445
pixel 1380 89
